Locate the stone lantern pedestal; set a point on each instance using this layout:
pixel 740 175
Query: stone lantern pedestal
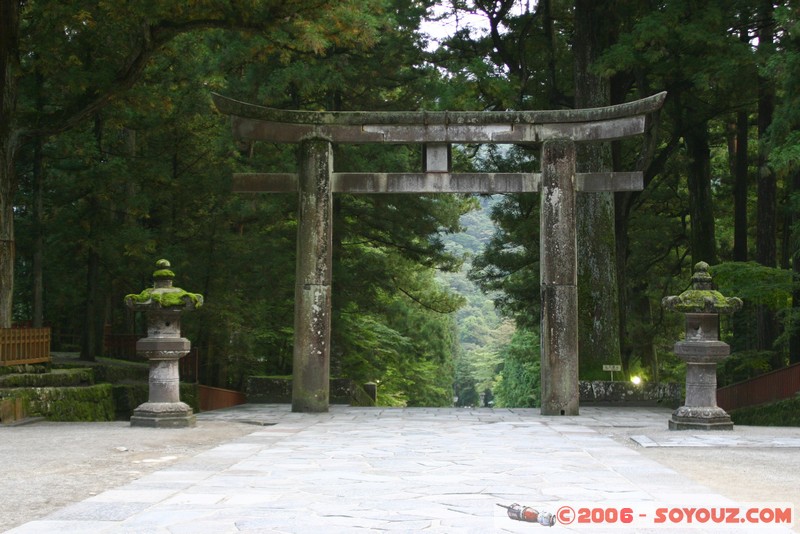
pixel 163 347
pixel 701 350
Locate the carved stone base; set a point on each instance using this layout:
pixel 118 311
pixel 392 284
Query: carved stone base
pixel 700 418
pixel 163 415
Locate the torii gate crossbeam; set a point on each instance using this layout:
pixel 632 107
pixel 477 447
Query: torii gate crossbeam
pixel 557 131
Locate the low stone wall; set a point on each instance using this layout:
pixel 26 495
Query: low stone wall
pixel 88 403
pixel 278 390
pixel 71 394
pixel 607 393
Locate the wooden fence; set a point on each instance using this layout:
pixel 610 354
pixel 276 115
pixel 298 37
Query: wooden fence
pixel 20 346
pixel 215 398
pixel 11 410
pixel 769 387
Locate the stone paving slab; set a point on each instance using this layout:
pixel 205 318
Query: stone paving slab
pixel 717 439
pixel 405 470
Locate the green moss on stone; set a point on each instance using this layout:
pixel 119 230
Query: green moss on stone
pixel 163 273
pixel 702 297
pixel 91 403
pixel 702 301
pixel 171 298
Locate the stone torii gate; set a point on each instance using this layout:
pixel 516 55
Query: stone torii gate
pixel 556 130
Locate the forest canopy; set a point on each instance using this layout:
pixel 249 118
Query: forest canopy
pixel 113 155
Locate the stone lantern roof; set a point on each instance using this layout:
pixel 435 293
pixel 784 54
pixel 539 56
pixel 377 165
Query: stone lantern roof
pixel 163 295
pixel 702 297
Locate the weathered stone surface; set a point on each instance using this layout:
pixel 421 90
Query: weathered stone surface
pixel 237 108
pixel 163 347
pixel 700 418
pixel 436 157
pixel 701 351
pixel 163 415
pixel 252 122
pixel 436 182
pixel 440 182
pixel 559 350
pixel 312 320
pixel 608 393
pixel 277 132
pixel 558 276
pixel 558 253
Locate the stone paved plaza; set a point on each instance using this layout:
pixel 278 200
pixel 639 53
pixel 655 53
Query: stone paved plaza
pixel 413 470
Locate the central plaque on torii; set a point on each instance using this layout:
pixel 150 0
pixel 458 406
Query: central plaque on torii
pixel 556 130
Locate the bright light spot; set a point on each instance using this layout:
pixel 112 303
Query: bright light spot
pixel 636 380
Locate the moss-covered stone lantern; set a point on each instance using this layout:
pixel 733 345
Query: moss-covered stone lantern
pixel 163 305
pixel 701 350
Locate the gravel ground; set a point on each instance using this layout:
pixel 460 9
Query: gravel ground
pixel 46 466
pixel 746 474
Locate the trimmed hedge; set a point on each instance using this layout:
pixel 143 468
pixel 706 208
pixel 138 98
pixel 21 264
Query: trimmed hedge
pixel 781 413
pixel 113 371
pixel 278 390
pixel 121 372
pixel 55 378
pixel 26 368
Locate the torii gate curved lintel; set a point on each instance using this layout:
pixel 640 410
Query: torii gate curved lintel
pixel 253 122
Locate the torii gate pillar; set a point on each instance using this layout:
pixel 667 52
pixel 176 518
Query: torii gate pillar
pixel 312 293
pixel 558 276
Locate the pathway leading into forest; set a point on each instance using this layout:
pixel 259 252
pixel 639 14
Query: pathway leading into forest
pixel 262 468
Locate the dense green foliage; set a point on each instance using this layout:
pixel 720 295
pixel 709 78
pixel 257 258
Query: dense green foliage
pixel 781 413
pixel 519 382
pixel 710 195
pixel 112 155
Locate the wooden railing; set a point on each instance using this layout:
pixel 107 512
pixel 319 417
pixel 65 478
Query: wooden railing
pixel 215 398
pixel 19 346
pixel 122 347
pixel 770 387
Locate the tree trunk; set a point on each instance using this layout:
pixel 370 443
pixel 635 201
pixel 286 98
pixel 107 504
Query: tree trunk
pixel 9 142
pixel 92 306
pixel 794 338
pixel 93 316
pixel 598 299
pixel 766 228
pixel 7 186
pixel 741 323
pixel 38 238
pixel 740 187
pixel 701 206
pixel 621 213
